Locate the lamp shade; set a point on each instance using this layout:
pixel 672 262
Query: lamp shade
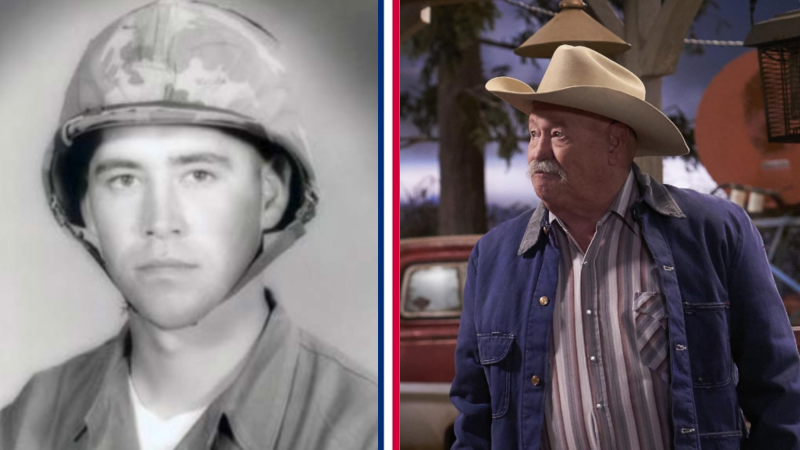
pixel 574 27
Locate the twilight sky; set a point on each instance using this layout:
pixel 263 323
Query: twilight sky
pixel 505 184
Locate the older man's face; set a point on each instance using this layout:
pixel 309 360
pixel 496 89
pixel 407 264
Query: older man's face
pixel 567 154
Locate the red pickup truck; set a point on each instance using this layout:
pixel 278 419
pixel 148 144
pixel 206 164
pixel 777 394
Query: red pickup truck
pixel 433 271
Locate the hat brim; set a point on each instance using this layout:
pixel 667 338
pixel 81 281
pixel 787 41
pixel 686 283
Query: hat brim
pixel 656 135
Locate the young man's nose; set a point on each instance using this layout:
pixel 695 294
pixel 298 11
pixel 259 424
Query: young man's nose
pixel 162 212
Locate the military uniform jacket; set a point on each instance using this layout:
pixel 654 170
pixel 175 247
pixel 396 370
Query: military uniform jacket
pixel 294 393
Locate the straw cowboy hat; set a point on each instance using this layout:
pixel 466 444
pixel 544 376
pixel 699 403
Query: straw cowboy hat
pixel 583 79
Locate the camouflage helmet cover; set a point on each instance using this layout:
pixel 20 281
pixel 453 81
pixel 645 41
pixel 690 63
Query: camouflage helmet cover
pixel 181 62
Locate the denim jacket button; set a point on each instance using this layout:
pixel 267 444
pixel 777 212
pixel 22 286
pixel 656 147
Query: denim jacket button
pixel 544 301
pixel 535 380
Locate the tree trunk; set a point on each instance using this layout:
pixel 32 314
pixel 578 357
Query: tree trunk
pixel 462 202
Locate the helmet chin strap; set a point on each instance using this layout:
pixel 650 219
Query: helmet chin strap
pixel 273 245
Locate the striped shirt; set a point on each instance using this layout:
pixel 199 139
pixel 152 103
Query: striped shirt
pixel 609 364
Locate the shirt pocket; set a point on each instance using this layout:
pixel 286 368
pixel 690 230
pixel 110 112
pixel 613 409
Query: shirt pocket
pixel 650 322
pixel 494 350
pixel 707 342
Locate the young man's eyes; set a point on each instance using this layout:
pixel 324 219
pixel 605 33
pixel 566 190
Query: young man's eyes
pixel 122 182
pixel 199 177
pixel 129 181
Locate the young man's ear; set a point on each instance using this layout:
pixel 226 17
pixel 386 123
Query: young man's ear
pixel 90 227
pixel 275 190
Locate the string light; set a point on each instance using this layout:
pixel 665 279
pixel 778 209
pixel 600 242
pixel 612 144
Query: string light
pixel 714 42
pixel 537 9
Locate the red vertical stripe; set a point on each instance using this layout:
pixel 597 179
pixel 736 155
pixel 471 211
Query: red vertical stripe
pixel 396 224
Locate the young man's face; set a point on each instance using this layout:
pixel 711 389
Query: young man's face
pixel 177 214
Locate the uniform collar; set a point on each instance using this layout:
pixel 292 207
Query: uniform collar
pixel 651 192
pixel 251 409
pixel 254 405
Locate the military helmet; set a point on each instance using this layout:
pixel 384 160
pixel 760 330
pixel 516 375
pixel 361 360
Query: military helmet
pixel 179 62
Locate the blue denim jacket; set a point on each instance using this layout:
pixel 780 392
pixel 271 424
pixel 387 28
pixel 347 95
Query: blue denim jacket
pixel 731 348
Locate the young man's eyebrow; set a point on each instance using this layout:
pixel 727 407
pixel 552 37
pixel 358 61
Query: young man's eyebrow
pixel 204 157
pixel 109 164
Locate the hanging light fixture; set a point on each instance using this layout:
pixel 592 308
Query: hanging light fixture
pixel 778 44
pixel 574 27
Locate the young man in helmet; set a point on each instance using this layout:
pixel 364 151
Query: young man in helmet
pixel 180 167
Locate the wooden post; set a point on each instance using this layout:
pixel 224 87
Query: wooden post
pixel 655 32
pixel 653 165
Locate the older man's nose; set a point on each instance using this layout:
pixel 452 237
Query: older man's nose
pixel 162 215
pixel 540 149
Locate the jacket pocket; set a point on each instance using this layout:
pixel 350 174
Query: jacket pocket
pixel 708 343
pixel 494 350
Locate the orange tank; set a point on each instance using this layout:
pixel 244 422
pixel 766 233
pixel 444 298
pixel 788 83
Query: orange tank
pixel 731 134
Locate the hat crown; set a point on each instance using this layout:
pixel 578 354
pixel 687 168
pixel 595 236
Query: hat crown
pixel 583 79
pixel 580 66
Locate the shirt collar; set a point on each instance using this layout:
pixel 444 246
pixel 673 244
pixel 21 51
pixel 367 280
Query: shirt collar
pixel 252 408
pixel 651 192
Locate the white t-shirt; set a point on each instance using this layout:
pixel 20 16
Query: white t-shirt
pixel 155 433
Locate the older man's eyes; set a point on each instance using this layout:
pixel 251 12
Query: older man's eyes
pixel 555 134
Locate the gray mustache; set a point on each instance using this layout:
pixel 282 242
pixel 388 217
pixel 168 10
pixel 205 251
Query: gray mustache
pixel 546 166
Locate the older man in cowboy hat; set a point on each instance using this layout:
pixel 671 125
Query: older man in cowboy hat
pixel 621 313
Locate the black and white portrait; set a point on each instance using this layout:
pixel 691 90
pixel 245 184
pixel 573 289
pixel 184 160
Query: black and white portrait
pixel 190 224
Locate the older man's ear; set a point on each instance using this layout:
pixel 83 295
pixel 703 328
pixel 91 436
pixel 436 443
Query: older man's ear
pixel 621 145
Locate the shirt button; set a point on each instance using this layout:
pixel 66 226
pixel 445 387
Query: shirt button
pixel 592 358
pixel 544 301
pixel 535 380
pixel 588 312
pixel 585 263
pixel 599 406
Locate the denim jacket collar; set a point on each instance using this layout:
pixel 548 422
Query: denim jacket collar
pixel 653 193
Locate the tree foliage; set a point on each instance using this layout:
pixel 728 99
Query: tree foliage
pixel 439 43
pixel 686 127
pixel 450 25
